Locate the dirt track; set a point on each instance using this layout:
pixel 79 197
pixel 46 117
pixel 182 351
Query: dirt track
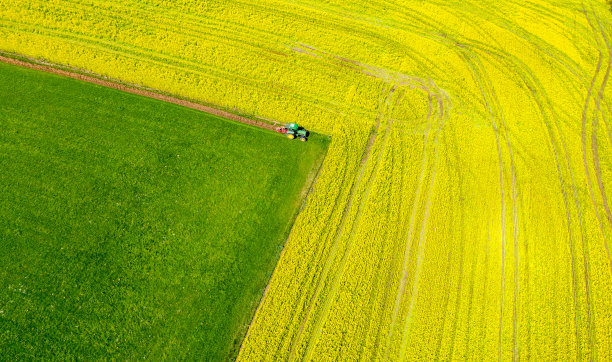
pixel 135 89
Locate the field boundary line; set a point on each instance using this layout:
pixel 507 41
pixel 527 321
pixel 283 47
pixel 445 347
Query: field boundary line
pixel 98 79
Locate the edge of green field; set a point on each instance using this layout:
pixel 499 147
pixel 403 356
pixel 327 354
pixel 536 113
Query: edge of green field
pixel 99 189
pixel 84 72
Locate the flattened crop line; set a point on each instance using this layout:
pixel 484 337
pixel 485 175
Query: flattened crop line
pixel 485 93
pixel 170 61
pixel 515 312
pixel 332 255
pixel 515 222
pixel 540 98
pixel 461 256
pixel 334 249
pixel 164 21
pixel 503 241
pixel 606 123
pixel 389 274
pixel 135 89
pixel 533 39
pixel 500 127
pixel 312 279
pixel 563 186
pixel 595 125
pixel 515 218
pixel 584 118
pixel 421 249
pixel 322 317
pixel 380 265
pixel 400 290
pixel 590 326
pixel 412 222
pixel 398 234
pixel 583 129
pixel 318 279
pixel 454 199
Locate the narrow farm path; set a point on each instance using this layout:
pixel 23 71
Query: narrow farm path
pixel 130 88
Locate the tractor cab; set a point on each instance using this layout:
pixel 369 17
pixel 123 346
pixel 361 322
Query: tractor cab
pixel 292 130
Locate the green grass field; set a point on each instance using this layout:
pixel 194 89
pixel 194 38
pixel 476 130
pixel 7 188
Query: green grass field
pixel 132 228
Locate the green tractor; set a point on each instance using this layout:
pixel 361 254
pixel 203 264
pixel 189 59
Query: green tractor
pixel 292 130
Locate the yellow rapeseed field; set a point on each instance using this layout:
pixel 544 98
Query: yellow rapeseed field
pixel 464 209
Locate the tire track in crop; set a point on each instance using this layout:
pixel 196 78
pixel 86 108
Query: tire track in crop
pixel 281 39
pixel 562 183
pixel 196 31
pixel 240 39
pixel 476 70
pixel 459 194
pixel 516 349
pixel 295 342
pixel 437 30
pixel 515 221
pixel 387 92
pixel 594 146
pixel 174 62
pixel 568 216
pixel 585 251
pixel 497 19
pixel 391 267
pixel 382 74
pixel 491 102
pixel 398 235
pixel 515 227
pixel 387 215
pixel 318 256
pixel 376 292
pixel 500 127
pixel 384 298
pixel 523 68
pixel 515 234
pixel 321 317
pixel 399 294
pixel 606 123
pixel 341 24
pixel 584 118
pixel 376 319
pixel 422 236
pixel 494 109
pixel 532 83
pixel 417 275
pixel 525 74
pixel 413 215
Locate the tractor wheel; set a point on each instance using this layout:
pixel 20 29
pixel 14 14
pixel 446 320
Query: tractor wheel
pixel 290 136
pixel 303 139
